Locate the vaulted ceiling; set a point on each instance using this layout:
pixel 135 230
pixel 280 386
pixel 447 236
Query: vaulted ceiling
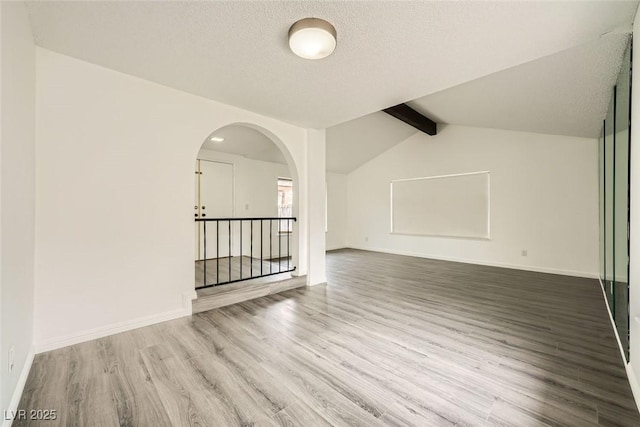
pixel 352 144
pixel 566 93
pixel 543 66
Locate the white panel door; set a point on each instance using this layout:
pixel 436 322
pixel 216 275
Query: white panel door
pixel 215 197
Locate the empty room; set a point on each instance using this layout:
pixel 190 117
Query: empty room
pixel 319 213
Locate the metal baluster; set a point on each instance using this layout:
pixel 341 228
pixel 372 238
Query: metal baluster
pixel 204 232
pixel 270 246
pixel 284 225
pixel 217 251
pixel 279 246
pixel 288 243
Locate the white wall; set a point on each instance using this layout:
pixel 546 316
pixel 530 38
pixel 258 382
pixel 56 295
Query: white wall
pixel 544 198
pixel 336 210
pixel 256 183
pixel 17 154
pixel 634 237
pixel 115 158
pixel 316 201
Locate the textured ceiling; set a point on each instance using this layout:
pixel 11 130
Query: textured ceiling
pixel 563 94
pixel 388 52
pixel 247 142
pixel 566 93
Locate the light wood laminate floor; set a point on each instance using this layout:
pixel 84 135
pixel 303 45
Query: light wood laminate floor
pixel 391 340
pixel 227 269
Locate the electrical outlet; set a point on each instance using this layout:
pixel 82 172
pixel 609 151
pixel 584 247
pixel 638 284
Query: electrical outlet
pixel 11 361
pixel 366 239
pixel 524 252
pixel 246 206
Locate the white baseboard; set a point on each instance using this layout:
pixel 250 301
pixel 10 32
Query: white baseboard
pixel 187 300
pixel 115 328
pixel 17 392
pixel 487 263
pixel 312 281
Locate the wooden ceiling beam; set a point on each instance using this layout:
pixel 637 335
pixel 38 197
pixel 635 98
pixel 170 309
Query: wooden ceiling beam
pixel 412 117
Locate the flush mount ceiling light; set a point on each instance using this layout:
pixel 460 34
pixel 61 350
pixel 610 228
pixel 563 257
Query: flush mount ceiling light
pixel 217 139
pixel 312 38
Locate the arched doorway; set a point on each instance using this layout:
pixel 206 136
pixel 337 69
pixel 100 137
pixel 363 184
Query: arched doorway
pixel 246 205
